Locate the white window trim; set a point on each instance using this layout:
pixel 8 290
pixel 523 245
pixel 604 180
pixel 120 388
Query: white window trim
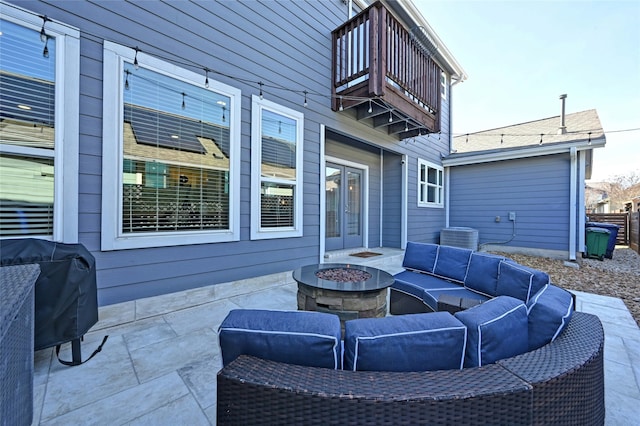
pixel 257 232
pixel 67 121
pixel 112 153
pixel 426 163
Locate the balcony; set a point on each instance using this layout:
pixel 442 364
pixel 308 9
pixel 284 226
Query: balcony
pixel 386 74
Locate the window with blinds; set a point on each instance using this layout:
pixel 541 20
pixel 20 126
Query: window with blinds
pixel 430 184
pixel 277 170
pixel 27 131
pixel 176 155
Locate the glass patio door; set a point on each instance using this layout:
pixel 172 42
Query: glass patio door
pixel 343 189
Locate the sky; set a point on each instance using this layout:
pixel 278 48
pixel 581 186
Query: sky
pixel 520 56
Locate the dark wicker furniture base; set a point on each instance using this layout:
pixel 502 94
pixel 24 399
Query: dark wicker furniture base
pixel 560 383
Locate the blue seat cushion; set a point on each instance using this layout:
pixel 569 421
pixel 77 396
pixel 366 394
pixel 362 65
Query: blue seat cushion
pixel 413 342
pixel 420 256
pixel 415 283
pixel 430 296
pixel 550 311
pixel 519 281
pixel 482 274
pixel 497 329
pixel 295 337
pixel 452 263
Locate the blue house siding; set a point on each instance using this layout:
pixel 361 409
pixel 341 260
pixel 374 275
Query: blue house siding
pixel 282 43
pixel 536 189
pixel 392 200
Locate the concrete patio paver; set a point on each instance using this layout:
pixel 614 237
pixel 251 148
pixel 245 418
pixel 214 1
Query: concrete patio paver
pixel 160 363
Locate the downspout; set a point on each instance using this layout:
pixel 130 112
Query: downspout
pixel 582 209
pixel 447 170
pixel 381 197
pixel 573 201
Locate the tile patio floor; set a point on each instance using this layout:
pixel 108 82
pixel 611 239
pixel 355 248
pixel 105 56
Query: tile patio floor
pixel 159 365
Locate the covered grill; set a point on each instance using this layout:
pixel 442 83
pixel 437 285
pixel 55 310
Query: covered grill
pixel 66 298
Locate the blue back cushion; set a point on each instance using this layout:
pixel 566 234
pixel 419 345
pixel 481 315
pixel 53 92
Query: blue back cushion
pixel 520 281
pixel 294 337
pixel 420 256
pixel 482 274
pixel 550 311
pixel 452 263
pixel 414 342
pixel 497 329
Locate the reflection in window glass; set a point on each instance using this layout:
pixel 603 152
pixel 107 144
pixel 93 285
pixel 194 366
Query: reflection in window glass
pixel 27 119
pixel 176 155
pixel 279 138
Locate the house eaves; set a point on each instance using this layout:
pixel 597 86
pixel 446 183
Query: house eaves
pixel 408 11
pixel 488 156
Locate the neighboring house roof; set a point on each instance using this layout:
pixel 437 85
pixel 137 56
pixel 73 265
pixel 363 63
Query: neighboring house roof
pixel 580 126
pixel 541 137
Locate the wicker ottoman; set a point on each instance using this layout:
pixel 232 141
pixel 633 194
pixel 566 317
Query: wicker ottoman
pixel 16 343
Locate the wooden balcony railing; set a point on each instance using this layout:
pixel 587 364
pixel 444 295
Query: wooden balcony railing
pixel 386 73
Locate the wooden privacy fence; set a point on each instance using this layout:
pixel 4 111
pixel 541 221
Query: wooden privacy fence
pixel 620 219
pixel 634 231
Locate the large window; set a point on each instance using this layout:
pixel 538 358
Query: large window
pixel 430 184
pixel 276 156
pixel 39 94
pixel 170 163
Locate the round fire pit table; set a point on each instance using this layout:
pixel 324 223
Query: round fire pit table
pixel 349 291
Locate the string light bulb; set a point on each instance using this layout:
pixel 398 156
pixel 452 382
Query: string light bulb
pixel 126 80
pixel 370 110
pixel 261 94
pixel 223 116
pixel 406 125
pixel 136 65
pixel 184 105
pixel 206 78
pixel 45 51
pixel 390 117
pixel 341 106
pixel 43 34
pixel 305 104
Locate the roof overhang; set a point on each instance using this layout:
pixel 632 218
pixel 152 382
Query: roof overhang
pixel 408 11
pixel 477 157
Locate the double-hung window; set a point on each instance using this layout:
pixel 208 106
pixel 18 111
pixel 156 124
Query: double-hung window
pixel 170 154
pixel 39 95
pixel 430 184
pixel 276 156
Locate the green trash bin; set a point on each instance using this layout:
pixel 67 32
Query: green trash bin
pixel 597 240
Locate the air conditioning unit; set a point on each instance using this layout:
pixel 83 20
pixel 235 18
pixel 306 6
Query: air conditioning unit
pixel 459 237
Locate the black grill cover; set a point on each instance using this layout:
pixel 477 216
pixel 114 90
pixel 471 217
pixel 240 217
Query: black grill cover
pixel 66 296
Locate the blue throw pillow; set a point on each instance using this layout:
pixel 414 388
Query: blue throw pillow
pixel 294 337
pixel 414 342
pixel 420 256
pixel 497 329
pixel 482 274
pixel 452 263
pixel 550 311
pixel 519 281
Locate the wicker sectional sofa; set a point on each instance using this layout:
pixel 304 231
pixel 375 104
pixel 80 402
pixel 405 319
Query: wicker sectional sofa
pixel 520 357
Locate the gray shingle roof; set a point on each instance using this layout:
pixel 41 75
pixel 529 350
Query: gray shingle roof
pixel 578 126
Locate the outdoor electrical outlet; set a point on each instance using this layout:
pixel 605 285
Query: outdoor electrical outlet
pixel 512 215
pixel 497 218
